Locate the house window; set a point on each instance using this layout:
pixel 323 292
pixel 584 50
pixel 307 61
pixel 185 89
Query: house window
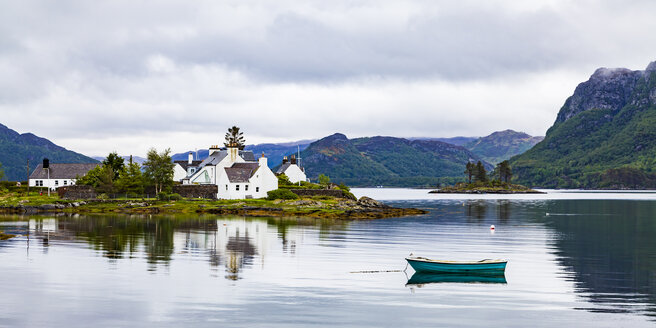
pixel 237 187
pixel 226 187
pixel 65 182
pixel 246 187
pixel 56 182
pixel 257 189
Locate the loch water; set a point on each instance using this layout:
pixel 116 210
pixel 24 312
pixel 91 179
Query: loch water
pixel 575 260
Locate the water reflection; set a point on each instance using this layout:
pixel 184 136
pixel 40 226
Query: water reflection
pixel 229 242
pixel 420 279
pixel 608 247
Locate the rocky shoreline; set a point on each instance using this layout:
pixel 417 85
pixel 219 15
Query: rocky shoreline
pixel 365 208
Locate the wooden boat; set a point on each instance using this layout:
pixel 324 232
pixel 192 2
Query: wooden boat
pixel 420 279
pixel 422 264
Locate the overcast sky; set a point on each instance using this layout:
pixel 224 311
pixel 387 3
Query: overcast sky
pixel 97 76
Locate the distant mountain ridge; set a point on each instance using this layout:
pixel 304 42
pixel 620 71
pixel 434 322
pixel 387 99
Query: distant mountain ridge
pixel 16 149
pixel 604 136
pixel 502 145
pixel 385 161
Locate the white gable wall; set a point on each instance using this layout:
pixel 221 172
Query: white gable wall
pixel 179 173
pixel 295 174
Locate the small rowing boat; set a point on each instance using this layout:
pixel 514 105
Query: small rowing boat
pixel 422 264
pixel 420 279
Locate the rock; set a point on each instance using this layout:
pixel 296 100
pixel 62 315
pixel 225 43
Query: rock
pixel 47 207
pixel 365 201
pixel 75 204
pixel 306 202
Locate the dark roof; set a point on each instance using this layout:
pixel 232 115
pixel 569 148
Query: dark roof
pixel 62 171
pixel 285 166
pixel 214 158
pixel 241 172
pixel 247 155
pixel 185 164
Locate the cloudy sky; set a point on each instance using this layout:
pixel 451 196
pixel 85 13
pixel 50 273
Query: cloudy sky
pixel 97 76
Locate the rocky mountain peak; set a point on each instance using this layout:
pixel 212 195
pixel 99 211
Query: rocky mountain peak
pixel 651 67
pixel 607 88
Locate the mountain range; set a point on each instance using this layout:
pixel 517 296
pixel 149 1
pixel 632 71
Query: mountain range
pixel 16 149
pixel 386 161
pixel 502 145
pixel 604 136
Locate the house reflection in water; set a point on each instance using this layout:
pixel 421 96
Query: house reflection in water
pixel 232 242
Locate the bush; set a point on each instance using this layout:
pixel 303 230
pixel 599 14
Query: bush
pixel 175 196
pixel 163 196
pixel 281 194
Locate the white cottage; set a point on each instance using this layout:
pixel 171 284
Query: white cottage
pixel 58 175
pixel 292 170
pixel 236 173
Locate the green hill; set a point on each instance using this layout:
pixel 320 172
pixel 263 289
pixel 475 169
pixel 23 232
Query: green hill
pixel 502 145
pixel 604 136
pixel 385 161
pixel 16 149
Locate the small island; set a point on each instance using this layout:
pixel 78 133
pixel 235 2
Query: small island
pixel 479 182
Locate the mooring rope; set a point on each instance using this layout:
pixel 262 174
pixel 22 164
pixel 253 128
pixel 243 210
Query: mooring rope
pixel 381 271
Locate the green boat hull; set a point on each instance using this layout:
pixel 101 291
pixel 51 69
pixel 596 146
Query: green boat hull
pixel 427 266
pixel 419 278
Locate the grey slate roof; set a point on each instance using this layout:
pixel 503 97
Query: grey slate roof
pixel 185 164
pixel 283 168
pixel 62 171
pixel 214 158
pixel 241 172
pixel 247 155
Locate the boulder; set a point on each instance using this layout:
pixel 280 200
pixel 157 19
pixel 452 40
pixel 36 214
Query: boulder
pixel 365 201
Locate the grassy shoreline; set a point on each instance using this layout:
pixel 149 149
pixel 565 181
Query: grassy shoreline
pixel 314 207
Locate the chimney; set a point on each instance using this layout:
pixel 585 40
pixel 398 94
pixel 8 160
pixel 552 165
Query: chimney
pixel 263 161
pixel 233 149
pixel 213 148
pixel 46 163
pixel 191 157
pixel 293 160
pixel 284 160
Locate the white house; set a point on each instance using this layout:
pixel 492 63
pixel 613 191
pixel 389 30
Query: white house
pixel 246 180
pixel 292 170
pixel 58 175
pixel 236 173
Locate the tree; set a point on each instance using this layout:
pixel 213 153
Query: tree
pixel 324 179
pixel 100 178
pixel 115 162
pixel 130 179
pixel 504 171
pixel 481 174
pixel 283 180
pixel 470 170
pixel 234 137
pixel 158 169
pixel 2 172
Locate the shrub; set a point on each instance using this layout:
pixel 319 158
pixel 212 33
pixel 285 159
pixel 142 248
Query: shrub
pixel 163 196
pixel 175 196
pixel 281 194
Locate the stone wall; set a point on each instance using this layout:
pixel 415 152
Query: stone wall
pixel 322 192
pixel 77 192
pixel 196 191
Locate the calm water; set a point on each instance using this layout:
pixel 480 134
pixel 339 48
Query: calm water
pixel 574 260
